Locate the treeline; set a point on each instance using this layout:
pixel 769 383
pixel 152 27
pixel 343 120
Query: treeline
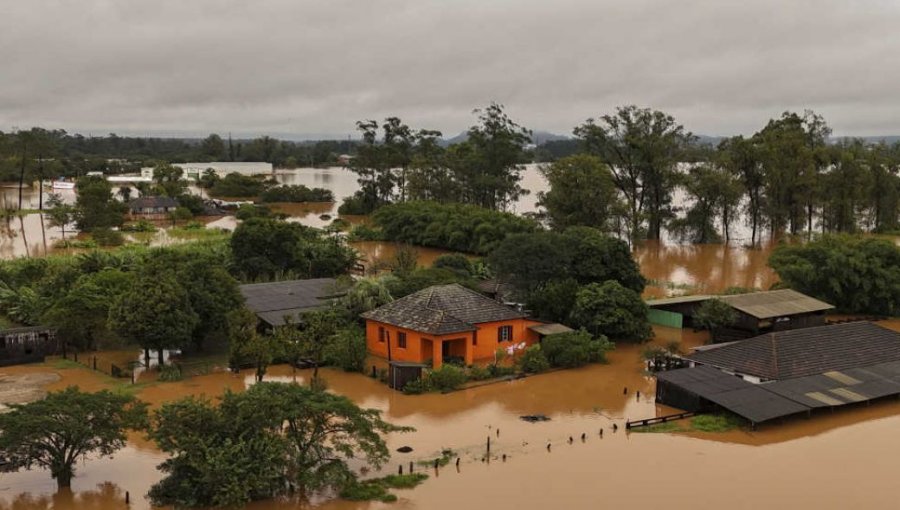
pixel 39 153
pixel 621 173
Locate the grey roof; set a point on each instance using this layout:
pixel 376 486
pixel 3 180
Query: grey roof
pixel 442 309
pixel 676 300
pixel 775 303
pixel 751 401
pixel 274 300
pixel 550 329
pixel 144 202
pixel 807 351
pixel 841 387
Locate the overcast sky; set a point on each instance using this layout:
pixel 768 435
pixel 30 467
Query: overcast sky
pixel 312 68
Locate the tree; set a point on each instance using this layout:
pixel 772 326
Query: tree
pixel 262 443
pixel 715 314
pixel 81 315
pixel 741 158
pixel 488 166
pixel 318 330
pixel 715 193
pixel 347 349
pixel 611 310
pixel 642 147
pixel 856 274
pixel 575 349
pixel 60 214
pixel 53 433
pixel 581 192
pixel 247 344
pixel 213 146
pixel 169 181
pixel 533 360
pixel 365 295
pixel 154 313
pixel 95 206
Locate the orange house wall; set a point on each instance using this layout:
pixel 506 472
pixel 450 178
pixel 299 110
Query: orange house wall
pixel 419 349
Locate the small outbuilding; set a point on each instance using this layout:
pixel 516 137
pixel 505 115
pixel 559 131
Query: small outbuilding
pixel 275 303
pixel 27 345
pixel 152 207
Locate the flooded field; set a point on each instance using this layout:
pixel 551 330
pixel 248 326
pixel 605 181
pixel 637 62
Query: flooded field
pixel 638 470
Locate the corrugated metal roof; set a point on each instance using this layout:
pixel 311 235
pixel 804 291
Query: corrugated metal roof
pixel 273 301
pixel 808 351
pixel 675 300
pixel 775 303
pixel 550 329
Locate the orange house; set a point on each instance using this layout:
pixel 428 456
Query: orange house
pixel 443 321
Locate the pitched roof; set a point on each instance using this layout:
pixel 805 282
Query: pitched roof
pixel 677 300
pixel 550 328
pixel 274 300
pixel 441 310
pixel 143 202
pixel 775 303
pixel 807 351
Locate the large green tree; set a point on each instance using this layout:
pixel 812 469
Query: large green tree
pixel 582 192
pixel 154 313
pixel 642 147
pixel 95 206
pixel 611 310
pixel 263 443
pixel 56 432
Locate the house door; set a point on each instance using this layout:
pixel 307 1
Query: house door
pixel 445 349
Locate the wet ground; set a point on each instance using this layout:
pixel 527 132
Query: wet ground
pixel 830 461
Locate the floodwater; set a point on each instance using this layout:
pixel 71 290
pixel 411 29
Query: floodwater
pixel 831 461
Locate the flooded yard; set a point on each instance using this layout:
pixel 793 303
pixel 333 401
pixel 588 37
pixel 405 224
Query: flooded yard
pixel 639 470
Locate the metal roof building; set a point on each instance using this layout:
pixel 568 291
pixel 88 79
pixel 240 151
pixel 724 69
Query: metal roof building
pixel 273 301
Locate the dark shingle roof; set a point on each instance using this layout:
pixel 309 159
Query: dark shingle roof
pixel 808 351
pixel 273 301
pixel 442 309
pixel 144 202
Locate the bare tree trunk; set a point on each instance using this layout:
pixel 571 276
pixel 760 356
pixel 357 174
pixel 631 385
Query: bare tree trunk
pixel 22 173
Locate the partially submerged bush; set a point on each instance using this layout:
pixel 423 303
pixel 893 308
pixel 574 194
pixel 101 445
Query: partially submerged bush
pixel 107 237
pixel 533 360
pixel 448 377
pixel 377 488
pixel 574 349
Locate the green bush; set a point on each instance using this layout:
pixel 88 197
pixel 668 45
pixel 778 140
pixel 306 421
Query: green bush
pixel 533 360
pixel 238 185
pixel 139 226
pixel 447 378
pixel 456 262
pixel 501 371
pixel 296 193
pixel 479 373
pixel 457 227
pixel 365 232
pixel 107 237
pixel 347 350
pixel 575 349
pixel 612 310
pixel 377 488
pixel 417 387
pixel 170 373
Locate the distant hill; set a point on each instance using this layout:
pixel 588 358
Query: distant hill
pixel 537 138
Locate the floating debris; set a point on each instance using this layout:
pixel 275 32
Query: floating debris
pixel 533 418
pixel 404 449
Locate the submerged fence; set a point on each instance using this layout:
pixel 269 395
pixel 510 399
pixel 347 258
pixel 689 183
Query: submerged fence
pixel 101 364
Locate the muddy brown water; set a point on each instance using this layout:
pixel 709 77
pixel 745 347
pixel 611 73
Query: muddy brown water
pixel 830 461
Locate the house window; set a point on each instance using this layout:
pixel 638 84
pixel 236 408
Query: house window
pixel 504 333
pixel 401 340
pixel 381 334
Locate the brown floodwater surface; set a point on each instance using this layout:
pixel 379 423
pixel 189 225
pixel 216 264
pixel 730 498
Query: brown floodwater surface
pixel 830 461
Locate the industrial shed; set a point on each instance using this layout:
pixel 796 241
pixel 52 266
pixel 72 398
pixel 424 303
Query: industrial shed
pixel 788 373
pixel 758 312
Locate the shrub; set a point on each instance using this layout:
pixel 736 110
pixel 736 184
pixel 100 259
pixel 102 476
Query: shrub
pixel 417 387
pixel 377 488
pixel 107 237
pixel 447 378
pixel 479 373
pixel 238 185
pixel 365 232
pixel 456 262
pixel 501 371
pixel 575 349
pixel 715 313
pixel 347 350
pixel 355 205
pixel 296 193
pixel 612 310
pixel 170 373
pixel 139 226
pixel 533 360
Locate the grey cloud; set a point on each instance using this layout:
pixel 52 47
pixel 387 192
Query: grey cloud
pixel 313 67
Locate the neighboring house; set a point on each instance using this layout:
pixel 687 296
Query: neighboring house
pixel 788 372
pixel 152 207
pixel 27 345
pixel 276 302
pixel 757 312
pixel 446 321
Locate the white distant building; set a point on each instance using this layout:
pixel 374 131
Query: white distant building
pixel 193 171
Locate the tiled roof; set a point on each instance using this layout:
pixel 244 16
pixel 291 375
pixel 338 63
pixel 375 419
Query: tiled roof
pixel 145 202
pixel 807 351
pixel 441 310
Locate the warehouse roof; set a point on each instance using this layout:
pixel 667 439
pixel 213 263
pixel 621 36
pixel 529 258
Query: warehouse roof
pixel 805 352
pixel 750 401
pixel 775 303
pixel 677 300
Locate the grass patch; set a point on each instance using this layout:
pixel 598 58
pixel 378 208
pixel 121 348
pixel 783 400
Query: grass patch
pixel 445 458
pixel 377 489
pixel 64 364
pixel 669 426
pixel 715 422
pixel 189 232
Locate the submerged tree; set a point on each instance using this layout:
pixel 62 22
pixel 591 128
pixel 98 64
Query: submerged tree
pixel 581 192
pixel 55 432
pixel 263 443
